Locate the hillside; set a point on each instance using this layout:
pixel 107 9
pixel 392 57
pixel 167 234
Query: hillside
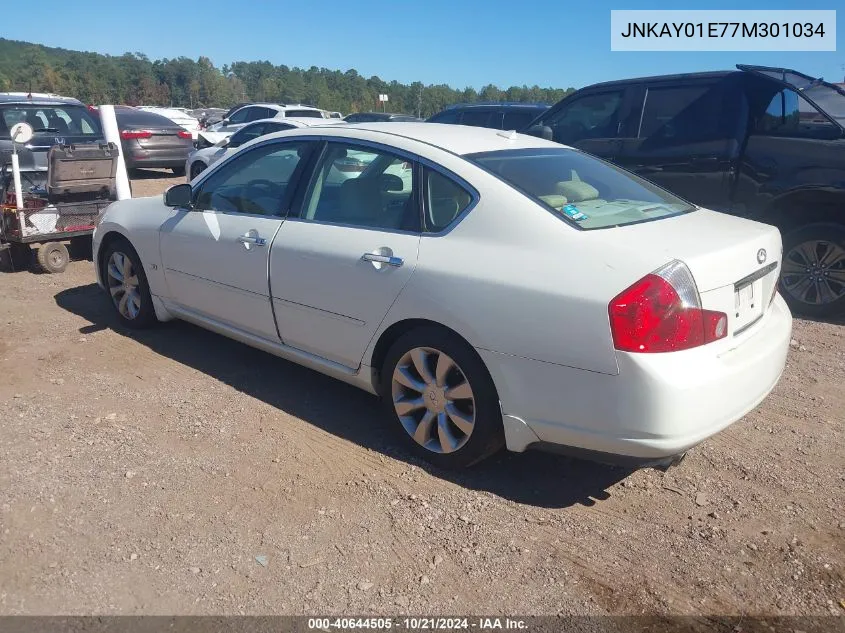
pixel 134 79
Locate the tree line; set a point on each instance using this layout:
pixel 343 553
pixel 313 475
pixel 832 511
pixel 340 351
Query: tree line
pixel 134 79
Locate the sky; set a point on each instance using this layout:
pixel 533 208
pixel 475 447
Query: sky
pixel 462 43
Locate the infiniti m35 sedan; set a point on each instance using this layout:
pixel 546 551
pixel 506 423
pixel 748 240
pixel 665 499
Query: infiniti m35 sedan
pixel 494 289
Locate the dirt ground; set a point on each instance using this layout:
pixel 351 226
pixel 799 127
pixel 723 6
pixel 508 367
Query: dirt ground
pixel 176 472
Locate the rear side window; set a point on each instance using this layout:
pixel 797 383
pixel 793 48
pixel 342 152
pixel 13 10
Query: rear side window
pixel 682 113
pixel 314 114
pixel 445 200
pixel 789 114
pixel 580 188
pixel 68 120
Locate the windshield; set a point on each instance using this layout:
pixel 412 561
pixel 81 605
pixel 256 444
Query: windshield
pixel 59 119
pixel 580 188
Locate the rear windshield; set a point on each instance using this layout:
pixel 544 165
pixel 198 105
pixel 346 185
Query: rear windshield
pixel 316 114
pixel 130 117
pixel 580 188
pixel 67 120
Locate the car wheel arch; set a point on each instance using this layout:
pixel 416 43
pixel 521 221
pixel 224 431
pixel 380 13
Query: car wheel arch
pixel 801 207
pixel 107 240
pixel 394 331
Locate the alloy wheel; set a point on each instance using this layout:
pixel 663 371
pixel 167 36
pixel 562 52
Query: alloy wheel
pixel 123 285
pixel 433 400
pixel 814 272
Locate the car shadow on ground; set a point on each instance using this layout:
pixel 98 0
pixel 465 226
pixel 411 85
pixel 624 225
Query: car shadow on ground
pixel 532 478
pixel 146 173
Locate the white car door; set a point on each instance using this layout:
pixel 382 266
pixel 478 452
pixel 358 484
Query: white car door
pixel 338 266
pixel 216 254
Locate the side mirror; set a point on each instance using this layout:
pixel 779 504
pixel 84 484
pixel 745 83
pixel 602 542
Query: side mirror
pixel 224 122
pixel 179 196
pixel 226 142
pixel 541 131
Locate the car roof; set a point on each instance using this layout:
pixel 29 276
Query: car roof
pixel 713 74
pixel 298 121
pixel 497 104
pixel 457 139
pixel 36 99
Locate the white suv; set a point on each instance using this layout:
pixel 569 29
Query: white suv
pixel 259 111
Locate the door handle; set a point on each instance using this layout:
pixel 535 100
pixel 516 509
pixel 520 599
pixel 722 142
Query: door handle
pixel 252 239
pixel 383 259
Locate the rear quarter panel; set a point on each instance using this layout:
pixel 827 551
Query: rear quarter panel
pixel 514 279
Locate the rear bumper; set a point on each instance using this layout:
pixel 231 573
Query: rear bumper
pixel 659 405
pixel 176 157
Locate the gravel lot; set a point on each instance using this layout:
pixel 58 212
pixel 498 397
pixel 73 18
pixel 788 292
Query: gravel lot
pixel 175 471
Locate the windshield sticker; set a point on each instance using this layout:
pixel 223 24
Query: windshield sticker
pixel 572 212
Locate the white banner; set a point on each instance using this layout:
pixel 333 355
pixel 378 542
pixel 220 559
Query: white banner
pixel 697 30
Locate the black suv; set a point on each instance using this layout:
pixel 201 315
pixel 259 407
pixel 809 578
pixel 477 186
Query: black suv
pixel 55 120
pixel 499 116
pixel 762 143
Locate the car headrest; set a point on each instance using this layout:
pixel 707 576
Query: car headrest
pixel 576 190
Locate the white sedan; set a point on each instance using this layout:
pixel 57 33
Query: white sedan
pixel 519 293
pixel 199 160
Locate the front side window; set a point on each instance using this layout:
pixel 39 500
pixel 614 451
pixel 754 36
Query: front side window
pixel 241 116
pixel 517 119
pixel 789 114
pixel 449 116
pixel 588 117
pixel 256 182
pixel 246 134
pixel 477 118
pixel 580 188
pixel 445 200
pixel 363 187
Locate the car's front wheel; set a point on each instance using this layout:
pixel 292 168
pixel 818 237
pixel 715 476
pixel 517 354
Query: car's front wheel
pixel 441 397
pixel 127 285
pixel 813 273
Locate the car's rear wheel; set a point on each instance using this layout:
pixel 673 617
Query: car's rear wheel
pixel 127 285
pixel 813 273
pixel 197 168
pixel 440 396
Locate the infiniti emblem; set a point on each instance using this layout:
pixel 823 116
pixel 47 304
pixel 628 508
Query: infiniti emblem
pixel 761 256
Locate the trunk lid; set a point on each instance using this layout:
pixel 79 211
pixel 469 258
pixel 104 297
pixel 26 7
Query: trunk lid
pixel 735 262
pixel 163 138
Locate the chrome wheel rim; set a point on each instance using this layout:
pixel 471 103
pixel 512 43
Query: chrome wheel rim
pixel 123 285
pixel 433 400
pixel 814 272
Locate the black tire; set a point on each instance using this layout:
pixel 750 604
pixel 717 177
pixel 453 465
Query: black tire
pixel 487 434
pixel 197 168
pixel 80 248
pixel 800 247
pixel 145 316
pixel 178 171
pixel 52 257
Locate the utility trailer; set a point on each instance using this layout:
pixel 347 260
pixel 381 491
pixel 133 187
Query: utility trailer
pixel 59 208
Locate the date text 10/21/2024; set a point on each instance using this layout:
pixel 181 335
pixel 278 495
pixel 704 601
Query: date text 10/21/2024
pixel 418 624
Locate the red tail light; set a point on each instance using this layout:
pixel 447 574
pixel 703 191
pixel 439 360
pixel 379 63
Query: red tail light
pixel 128 135
pixel 662 313
pixel 184 134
